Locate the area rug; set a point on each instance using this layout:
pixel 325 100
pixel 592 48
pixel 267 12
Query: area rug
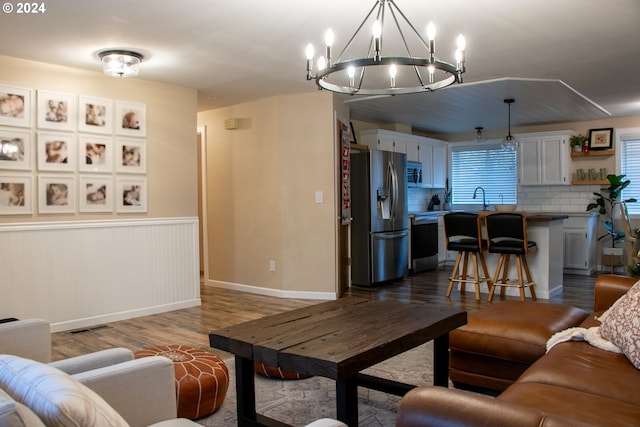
pixel 299 402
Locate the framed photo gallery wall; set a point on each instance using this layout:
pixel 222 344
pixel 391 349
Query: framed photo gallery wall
pixel 63 153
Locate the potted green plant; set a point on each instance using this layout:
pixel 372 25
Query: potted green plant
pixel 447 196
pixel 577 142
pixel 606 200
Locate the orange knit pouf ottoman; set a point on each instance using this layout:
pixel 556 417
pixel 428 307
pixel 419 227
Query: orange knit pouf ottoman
pixel 275 372
pixel 202 379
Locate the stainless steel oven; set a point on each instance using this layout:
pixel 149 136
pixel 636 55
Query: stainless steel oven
pixel 423 242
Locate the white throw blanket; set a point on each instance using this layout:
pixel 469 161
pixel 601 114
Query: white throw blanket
pixel 589 335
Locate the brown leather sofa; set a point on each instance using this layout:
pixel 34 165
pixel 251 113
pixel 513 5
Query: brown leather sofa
pixel 574 384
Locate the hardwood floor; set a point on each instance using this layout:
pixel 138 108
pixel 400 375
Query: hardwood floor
pixel 221 307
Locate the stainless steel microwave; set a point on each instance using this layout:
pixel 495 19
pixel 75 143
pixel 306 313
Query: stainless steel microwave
pixel 414 174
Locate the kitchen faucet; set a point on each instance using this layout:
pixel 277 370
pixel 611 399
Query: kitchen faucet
pixel 484 200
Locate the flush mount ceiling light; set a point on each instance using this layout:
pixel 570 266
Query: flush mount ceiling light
pixel 120 63
pixel 480 136
pixel 386 74
pixel 509 142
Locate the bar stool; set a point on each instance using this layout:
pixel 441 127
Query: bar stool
pixel 507 234
pixel 463 234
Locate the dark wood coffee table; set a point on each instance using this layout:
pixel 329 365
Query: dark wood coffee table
pixel 337 340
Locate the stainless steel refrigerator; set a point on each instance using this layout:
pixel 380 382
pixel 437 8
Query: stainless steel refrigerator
pixel 380 226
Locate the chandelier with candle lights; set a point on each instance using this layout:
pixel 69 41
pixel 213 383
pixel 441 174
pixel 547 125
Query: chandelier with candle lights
pixel 377 74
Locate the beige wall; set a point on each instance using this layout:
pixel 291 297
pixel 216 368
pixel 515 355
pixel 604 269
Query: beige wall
pixel 261 185
pixel 171 132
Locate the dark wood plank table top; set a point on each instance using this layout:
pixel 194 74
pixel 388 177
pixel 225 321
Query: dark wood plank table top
pixel 337 339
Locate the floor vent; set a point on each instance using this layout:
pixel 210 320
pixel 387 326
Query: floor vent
pixel 91 329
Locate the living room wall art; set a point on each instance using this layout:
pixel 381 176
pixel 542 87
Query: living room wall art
pixel 95 154
pixel 131 194
pixel 16 105
pixel 95 194
pixel 16 193
pixel 16 148
pixel 95 115
pixel 71 153
pixel 56 151
pixel 56 111
pixel 131 156
pixel 56 194
pixel 131 119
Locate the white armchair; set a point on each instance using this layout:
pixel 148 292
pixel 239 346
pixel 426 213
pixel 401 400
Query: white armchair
pixel 141 391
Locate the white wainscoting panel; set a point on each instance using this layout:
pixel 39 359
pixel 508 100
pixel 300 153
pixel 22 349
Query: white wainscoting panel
pixel 84 273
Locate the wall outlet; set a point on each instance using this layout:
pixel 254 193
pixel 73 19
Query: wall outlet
pixel 272 265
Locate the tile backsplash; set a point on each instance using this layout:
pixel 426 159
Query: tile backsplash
pixel 548 198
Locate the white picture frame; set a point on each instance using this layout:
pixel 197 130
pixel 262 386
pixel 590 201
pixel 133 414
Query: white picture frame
pixel 131 156
pixel 131 194
pixel 95 153
pixel 131 119
pixel 16 149
pixel 56 151
pixel 56 194
pixel 16 195
pixel 16 106
pixel 95 115
pixel 56 111
pixel 95 193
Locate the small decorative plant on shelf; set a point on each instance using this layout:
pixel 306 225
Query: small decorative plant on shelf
pixel 606 200
pixel 577 142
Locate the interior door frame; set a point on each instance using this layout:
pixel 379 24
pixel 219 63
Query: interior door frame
pixel 204 234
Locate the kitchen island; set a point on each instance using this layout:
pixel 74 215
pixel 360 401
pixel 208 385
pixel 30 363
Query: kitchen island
pixel 546 264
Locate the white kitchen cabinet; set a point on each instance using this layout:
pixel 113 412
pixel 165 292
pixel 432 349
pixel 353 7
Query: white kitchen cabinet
pixel 413 150
pixel 439 162
pixel 432 153
pixel 384 140
pixel 543 159
pixel 580 243
pixel 426 158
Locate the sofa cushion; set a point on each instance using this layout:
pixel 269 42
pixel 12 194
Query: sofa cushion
pixel 580 366
pixel 15 414
pixel 572 404
pixel 57 398
pixel 621 324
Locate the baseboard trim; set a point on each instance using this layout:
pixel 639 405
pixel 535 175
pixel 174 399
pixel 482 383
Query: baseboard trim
pixel 123 315
pixel 272 292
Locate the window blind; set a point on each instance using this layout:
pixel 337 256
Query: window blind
pixel 630 166
pixel 487 166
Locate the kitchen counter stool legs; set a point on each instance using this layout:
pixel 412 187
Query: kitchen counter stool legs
pixel 463 234
pixel 507 234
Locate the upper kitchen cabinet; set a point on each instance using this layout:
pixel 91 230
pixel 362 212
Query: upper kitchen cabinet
pixel 543 159
pixel 432 153
pixel 378 139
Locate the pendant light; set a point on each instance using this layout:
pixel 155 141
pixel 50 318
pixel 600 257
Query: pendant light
pixel 509 142
pixel 480 136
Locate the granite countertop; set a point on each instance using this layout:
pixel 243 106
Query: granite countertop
pixel 534 216
pixel 545 217
pixel 531 216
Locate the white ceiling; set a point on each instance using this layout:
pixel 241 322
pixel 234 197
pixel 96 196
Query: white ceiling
pixel 562 60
